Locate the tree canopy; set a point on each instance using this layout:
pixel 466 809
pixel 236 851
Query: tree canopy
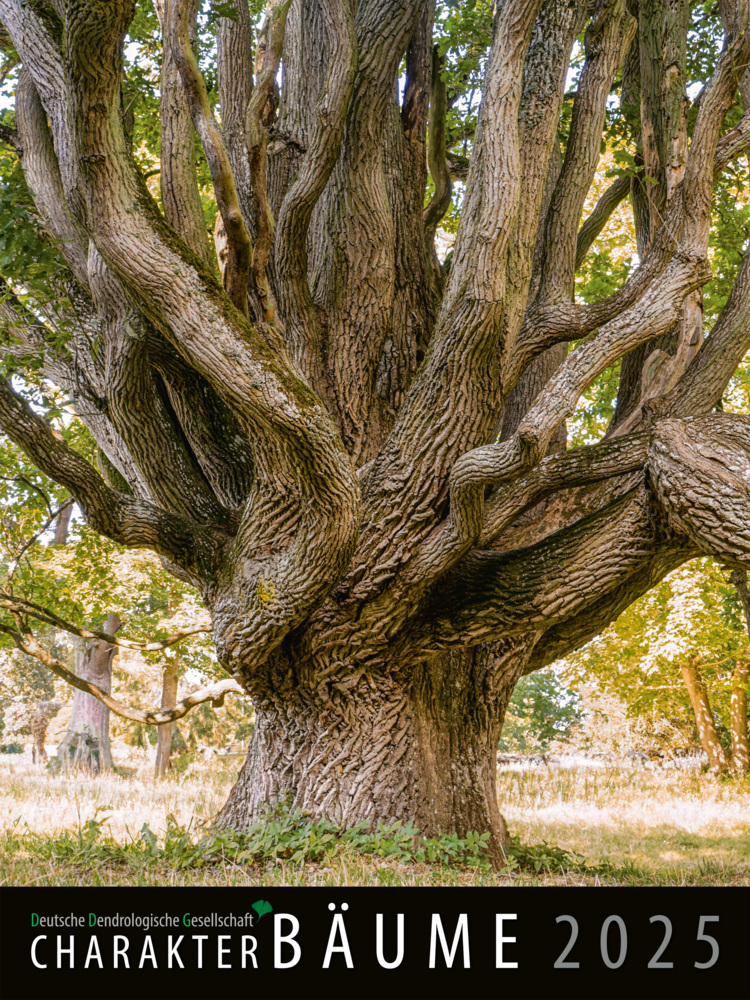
pixel 221 254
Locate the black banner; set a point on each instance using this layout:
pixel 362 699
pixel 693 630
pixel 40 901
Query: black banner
pixel 374 943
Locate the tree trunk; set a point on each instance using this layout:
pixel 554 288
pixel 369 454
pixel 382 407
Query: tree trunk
pixel 717 758
pixel 738 719
pixel 85 747
pixel 62 525
pixel 345 511
pixel 165 733
pixel 374 748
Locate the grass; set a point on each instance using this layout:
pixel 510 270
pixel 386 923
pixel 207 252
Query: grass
pixel 672 824
pixel 584 827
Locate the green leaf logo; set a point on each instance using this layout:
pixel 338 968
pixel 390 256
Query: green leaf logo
pixel 261 907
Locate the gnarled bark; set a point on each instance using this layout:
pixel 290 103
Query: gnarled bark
pixel 314 445
pixel 383 747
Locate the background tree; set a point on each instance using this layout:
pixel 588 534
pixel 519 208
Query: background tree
pixel 680 652
pixel 358 457
pixel 50 557
pixel 86 746
pixel 542 711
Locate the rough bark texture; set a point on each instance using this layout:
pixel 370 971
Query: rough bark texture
pixel 314 443
pixel 383 748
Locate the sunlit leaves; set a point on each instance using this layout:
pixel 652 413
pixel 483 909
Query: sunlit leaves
pixel 542 710
pixel 694 612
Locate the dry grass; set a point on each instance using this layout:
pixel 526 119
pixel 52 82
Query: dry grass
pixel 47 805
pixel 656 819
pixel 640 827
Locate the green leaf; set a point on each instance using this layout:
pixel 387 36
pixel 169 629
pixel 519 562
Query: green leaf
pixel 262 906
pixel 226 9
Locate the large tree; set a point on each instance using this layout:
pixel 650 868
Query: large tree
pixel 354 451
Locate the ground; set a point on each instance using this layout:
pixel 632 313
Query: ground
pixel 631 827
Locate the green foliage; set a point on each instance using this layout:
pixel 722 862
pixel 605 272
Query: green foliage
pixel 27 254
pixel 704 40
pixel 551 859
pixel 541 710
pixel 282 834
pixel 23 682
pixel 695 611
pixel 595 409
pixel 462 32
pixel 541 857
pixel 82 582
pixel 294 836
pixel 729 235
pixel 601 274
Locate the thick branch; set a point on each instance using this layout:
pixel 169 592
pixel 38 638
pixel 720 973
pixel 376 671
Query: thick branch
pixel 211 428
pixel 558 472
pixel 711 370
pixel 436 151
pixel 451 401
pixel 607 39
pixel 496 463
pixel 733 144
pixel 80 375
pixel 260 115
pixel 301 315
pixel 600 216
pixel 178 179
pixel 42 174
pixel 240 247
pixel 492 594
pixel 717 100
pixel 564 637
pixel 700 469
pixel 663 30
pixel 138 410
pixel 300 523
pixel 234 65
pixel 685 226
pixel 125 519
pixel 544 76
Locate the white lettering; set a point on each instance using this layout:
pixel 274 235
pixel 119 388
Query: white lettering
pixel 148 946
pixel 279 939
pixel 121 952
pixel 399 941
pixel 172 951
pixel 65 951
pixel 338 925
pixel 249 952
pixel 93 954
pixel 222 951
pixel 34 943
pixel 462 928
pixel 200 938
pixel 500 941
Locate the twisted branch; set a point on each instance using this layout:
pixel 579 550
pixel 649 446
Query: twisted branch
pixel 239 243
pixel 25 641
